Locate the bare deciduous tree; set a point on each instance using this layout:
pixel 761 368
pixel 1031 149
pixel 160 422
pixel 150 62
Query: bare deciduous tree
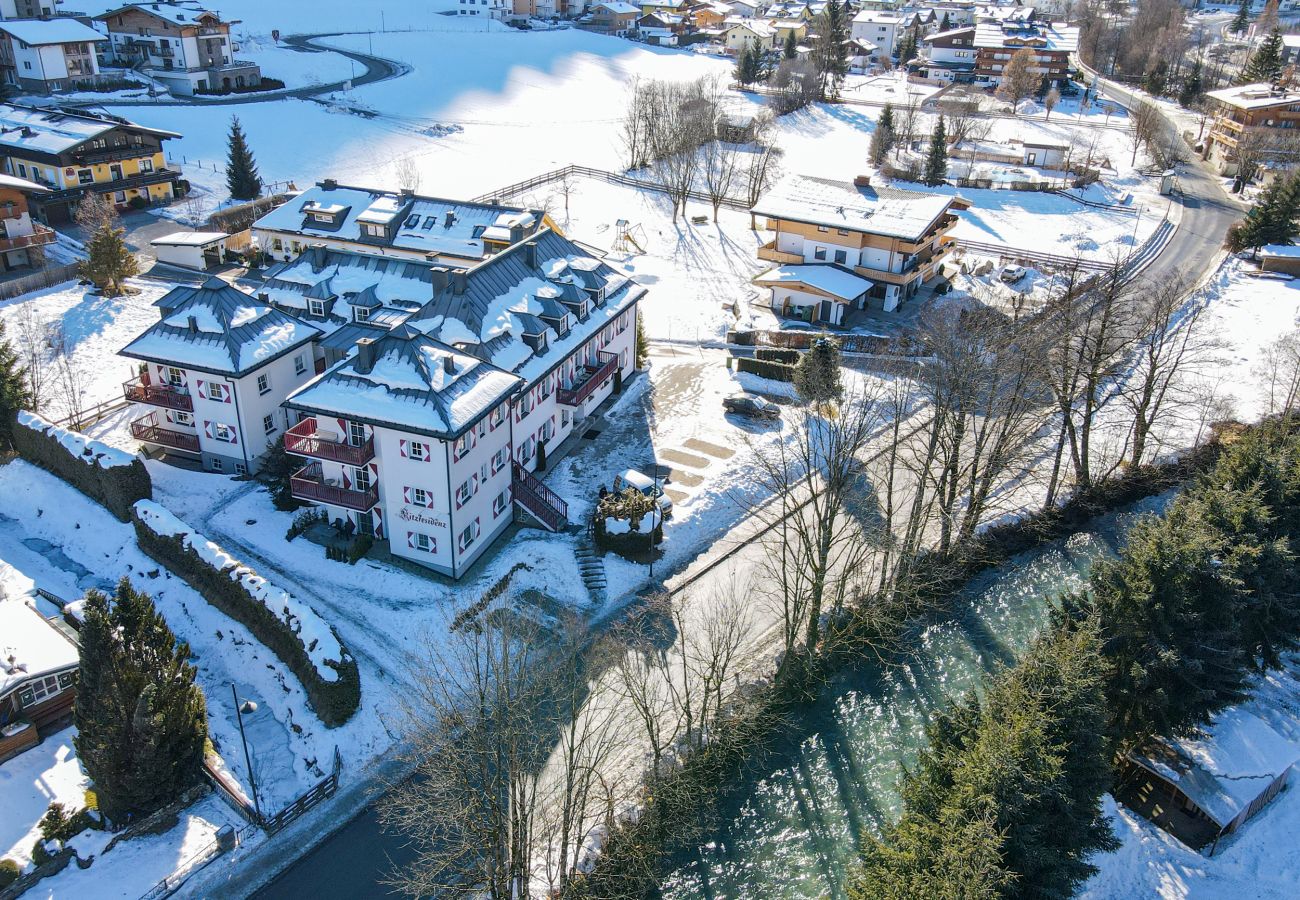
pixel 406 169
pixel 1279 372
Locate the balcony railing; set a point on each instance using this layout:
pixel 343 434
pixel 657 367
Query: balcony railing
pixel 305 439
pixel 39 237
pixel 149 431
pixel 159 176
pixel 592 378
pixel 309 483
pixel 769 252
pixel 538 500
pixel 165 395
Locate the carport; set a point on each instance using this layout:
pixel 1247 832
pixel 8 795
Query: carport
pixel 197 250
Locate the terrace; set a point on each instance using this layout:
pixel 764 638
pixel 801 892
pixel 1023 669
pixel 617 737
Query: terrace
pixel 137 390
pixel 309 483
pixel 306 439
pixel 150 432
pixel 592 377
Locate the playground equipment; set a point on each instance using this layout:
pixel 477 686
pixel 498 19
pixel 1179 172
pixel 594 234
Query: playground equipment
pixel 629 237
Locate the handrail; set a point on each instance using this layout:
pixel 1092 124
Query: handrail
pixel 169 396
pixel 148 430
pixel 308 483
pixel 550 509
pixel 596 376
pixel 302 440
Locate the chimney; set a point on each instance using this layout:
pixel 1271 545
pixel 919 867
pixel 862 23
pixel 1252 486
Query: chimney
pixel 448 218
pixel 449 364
pixel 516 233
pixel 407 193
pixel 329 184
pixel 530 254
pixel 439 278
pixel 862 181
pixel 193 324
pixel 458 281
pixel 365 355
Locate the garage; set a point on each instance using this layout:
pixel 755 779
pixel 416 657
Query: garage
pixel 196 250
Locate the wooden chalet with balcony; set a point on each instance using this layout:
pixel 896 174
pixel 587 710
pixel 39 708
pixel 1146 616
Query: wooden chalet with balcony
pixel 1245 110
pixel 22 240
pixel 38 676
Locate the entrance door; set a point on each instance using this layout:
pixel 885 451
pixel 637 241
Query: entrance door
pixel 826 308
pixel 366 523
pixel 1031 159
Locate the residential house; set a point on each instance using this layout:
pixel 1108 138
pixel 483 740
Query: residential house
pixel 399 224
pixel 649 7
pixel 1244 111
pixel 28 9
pixel 745 9
pixel 786 27
pixel 500 10
pixel 897 240
pixel 884 30
pixel 661 28
pixel 21 238
pixel 948 56
pixel 613 17
pixel 863 56
pixel 213 372
pixel 425 432
pixel 1290 49
pixel 38 676
pixel 1051 42
pixel 75 151
pixel 47 55
pixel 709 15
pixel 737 34
pixel 186 47
pixel 1203 788
pixel 534 9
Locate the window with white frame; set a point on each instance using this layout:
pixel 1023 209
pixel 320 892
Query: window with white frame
pixel 469 535
pixel 175 377
pixel 498 416
pixel 43 688
pixel 217 464
pixel 183 418
pixel 316 307
pixel 356 434
pixel 499 459
pixel 420 497
pixel 467 489
pixel 223 432
pixel 299 364
pixel 263 384
pixel 268 423
pixel 424 542
pixel 417 451
pixel 500 502
pixel 461 447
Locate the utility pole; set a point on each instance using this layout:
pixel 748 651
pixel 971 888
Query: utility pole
pixel 248 760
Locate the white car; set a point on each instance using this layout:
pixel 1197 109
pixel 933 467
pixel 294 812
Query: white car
pixel 1010 274
pixel 646 485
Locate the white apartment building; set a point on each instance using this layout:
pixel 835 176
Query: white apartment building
pixel 403 225
pixel 48 54
pixel 882 29
pixel 487 9
pixel 213 372
pixel 426 430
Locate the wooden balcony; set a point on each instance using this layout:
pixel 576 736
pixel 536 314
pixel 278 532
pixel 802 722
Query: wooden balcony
pixel 305 439
pixel 592 378
pixel 150 432
pixel 164 395
pixel 309 483
pixel 769 252
pixel 40 236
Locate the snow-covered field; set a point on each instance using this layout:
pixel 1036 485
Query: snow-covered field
pixel 30 782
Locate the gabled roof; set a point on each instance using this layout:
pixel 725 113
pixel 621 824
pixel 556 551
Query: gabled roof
pixel 837 281
pixel 505 297
pixel 181 14
pixel 410 382
pixel 1012 35
pixel 341 273
pixel 837 204
pixel 219 329
pixel 43 32
pixel 30 647
pixel 55 129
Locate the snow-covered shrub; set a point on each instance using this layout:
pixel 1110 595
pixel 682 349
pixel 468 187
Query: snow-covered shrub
pixel 766 369
pixel 291 629
pixel 109 476
pixel 625 522
pixel 8 872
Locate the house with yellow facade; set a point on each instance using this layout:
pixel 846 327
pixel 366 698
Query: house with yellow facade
pixel 73 152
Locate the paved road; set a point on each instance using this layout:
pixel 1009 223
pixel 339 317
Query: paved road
pixel 376 69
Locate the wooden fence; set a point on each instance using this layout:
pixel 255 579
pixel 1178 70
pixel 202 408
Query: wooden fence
pixel 47 277
pixel 649 184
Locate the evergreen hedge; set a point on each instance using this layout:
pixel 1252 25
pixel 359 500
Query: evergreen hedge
pixel 777 354
pixel 333 701
pixel 110 477
pixel 777 371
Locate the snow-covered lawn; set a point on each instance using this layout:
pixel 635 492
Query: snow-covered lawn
pixel 30 782
pixel 296 68
pixel 1259 861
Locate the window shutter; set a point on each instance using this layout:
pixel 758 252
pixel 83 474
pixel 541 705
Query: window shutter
pixel 406 494
pixel 410 540
pixel 207 428
pixel 401 447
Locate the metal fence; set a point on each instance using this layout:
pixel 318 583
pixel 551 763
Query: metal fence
pixel 649 184
pixel 322 790
pixel 200 858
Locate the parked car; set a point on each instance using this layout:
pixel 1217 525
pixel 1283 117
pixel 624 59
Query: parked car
pixel 1010 274
pixel 646 485
pixel 749 405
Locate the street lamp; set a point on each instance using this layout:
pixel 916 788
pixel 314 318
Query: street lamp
pixel 656 511
pixel 248 706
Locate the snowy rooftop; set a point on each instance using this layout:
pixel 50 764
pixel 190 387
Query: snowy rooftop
pixel 415 223
pixel 1224 771
pixel 20 184
pixel 217 328
pixel 831 279
pixel 30 646
pixel 340 275
pixel 1280 250
pixel 839 204
pixel 174 13
pixel 189 239
pixel 55 130
pixel 412 382
pixel 505 298
pixel 619 8
pixel 40 32
pixel 1254 96
pixel 1054 36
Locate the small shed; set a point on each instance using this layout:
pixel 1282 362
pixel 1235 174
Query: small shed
pixel 815 293
pixel 1045 156
pixel 198 250
pixel 1280 258
pixel 1200 789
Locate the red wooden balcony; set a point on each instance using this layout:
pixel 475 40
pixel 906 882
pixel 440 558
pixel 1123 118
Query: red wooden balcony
pixel 304 439
pixel 538 500
pixel 592 377
pixel 149 431
pixel 308 483
pixel 138 391
pixel 39 237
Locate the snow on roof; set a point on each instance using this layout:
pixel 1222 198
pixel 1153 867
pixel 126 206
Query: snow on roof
pixel 428 224
pixel 876 17
pixel 619 8
pixel 189 239
pixel 54 130
pixel 1280 250
pixel 21 184
pixel 1224 771
pixel 217 328
pixel 182 14
pixel 393 281
pixel 414 383
pixel 40 32
pixel 30 647
pixel 1260 95
pixel 1013 34
pixel 832 279
pixel 761 29
pixel 837 204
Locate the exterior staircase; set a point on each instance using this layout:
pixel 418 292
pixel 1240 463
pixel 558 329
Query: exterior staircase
pixel 592 568
pixel 538 501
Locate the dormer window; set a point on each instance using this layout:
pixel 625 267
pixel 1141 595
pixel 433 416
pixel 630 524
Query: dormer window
pixel 597 294
pixel 361 314
pixel 322 217
pixel 316 308
pixel 373 230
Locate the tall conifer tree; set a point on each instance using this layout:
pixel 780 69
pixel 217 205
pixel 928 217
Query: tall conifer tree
pixel 242 178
